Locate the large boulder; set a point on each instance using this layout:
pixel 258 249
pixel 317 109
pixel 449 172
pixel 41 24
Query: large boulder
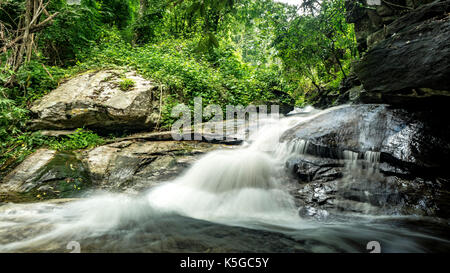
pixel 407 61
pixel 45 174
pixel 106 100
pixel 418 140
pixel 136 165
pixel 128 165
pixel 372 158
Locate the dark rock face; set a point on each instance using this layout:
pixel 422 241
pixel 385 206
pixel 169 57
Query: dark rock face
pixel 370 17
pixel 410 139
pixel 407 63
pixel 373 159
pixel 413 61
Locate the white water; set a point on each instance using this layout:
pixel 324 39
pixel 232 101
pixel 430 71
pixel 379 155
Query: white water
pixel 239 187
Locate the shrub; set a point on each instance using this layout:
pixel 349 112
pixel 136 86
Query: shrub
pixel 126 84
pixel 79 140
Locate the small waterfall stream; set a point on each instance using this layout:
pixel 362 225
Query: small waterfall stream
pixel 226 198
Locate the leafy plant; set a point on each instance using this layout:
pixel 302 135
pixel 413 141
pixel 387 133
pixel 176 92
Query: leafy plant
pixel 79 140
pixel 318 47
pixel 127 84
pixel 12 118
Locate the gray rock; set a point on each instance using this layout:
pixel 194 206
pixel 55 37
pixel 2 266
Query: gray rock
pixel 24 175
pixel 130 166
pixel 372 159
pixel 133 166
pixel 45 174
pixel 404 138
pixel 408 62
pixel 96 100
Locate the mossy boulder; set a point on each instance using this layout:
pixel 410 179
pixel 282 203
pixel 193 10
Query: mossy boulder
pixel 45 174
pixel 128 165
pixel 99 101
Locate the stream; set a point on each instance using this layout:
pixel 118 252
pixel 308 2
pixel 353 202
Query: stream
pixel 235 200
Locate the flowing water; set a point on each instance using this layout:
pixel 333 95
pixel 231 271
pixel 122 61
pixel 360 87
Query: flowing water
pixel 228 201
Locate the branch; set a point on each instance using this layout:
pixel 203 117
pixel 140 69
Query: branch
pixel 38 12
pixel 48 21
pixel 42 24
pixel 395 5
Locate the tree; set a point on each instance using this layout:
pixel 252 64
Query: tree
pixel 20 39
pixel 318 46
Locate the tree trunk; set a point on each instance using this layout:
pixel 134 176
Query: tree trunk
pixel 338 61
pixel 143 7
pixel 22 40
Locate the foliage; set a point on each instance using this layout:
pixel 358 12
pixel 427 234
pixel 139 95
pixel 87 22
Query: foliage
pixel 79 140
pixel 228 52
pixel 126 84
pixel 118 13
pixel 149 26
pixel 10 11
pixel 318 48
pixel 75 29
pixel 12 118
pixel 175 63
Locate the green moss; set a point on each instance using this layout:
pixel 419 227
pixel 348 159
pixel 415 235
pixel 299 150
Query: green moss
pixel 127 84
pixel 65 176
pixel 68 177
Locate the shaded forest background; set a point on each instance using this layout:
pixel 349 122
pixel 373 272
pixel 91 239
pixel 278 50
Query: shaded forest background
pixel 226 51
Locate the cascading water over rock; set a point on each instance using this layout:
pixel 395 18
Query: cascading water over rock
pixel 234 199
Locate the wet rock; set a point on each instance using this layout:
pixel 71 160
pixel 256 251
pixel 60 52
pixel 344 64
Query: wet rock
pixel 130 166
pixel 417 43
pixel 417 141
pixel 234 137
pixel 45 174
pixel 308 212
pixel 96 100
pixel 133 166
pixel 372 159
pixel 57 133
pixel 308 168
pixel 21 178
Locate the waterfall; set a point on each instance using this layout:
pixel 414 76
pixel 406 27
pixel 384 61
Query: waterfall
pixel 359 189
pixel 232 195
pixel 236 185
pixel 372 157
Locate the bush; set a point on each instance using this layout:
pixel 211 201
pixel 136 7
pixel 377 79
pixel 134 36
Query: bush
pixel 12 119
pixel 126 84
pixel 79 140
pixel 77 28
pixel 220 77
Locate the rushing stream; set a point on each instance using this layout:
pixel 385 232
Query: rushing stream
pixel 234 200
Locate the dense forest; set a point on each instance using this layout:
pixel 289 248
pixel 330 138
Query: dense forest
pixel 228 52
